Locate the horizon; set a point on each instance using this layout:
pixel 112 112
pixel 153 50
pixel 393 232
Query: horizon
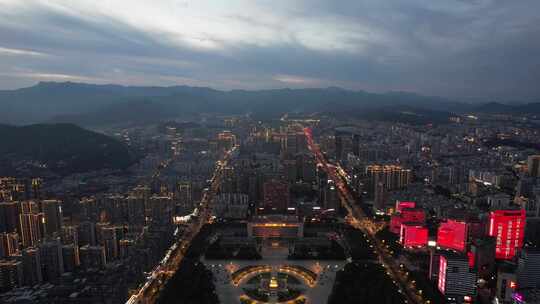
pixel 446 99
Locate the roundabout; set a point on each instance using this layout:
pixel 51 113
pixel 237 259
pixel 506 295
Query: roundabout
pixel 276 281
pixel 273 284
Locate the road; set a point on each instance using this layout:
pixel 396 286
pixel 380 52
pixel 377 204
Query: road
pixel 358 219
pixel 170 263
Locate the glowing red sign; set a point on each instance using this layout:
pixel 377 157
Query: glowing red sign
pixel 508 226
pixel 413 235
pixel 442 274
pixel 402 205
pixel 452 234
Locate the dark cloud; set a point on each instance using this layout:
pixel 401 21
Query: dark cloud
pixel 462 49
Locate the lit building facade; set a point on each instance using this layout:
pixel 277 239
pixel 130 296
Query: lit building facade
pixel 508 227
pixel 452 234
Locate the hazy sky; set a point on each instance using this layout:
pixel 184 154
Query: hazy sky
pixel 453 48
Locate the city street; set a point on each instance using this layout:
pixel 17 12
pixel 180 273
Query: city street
pixel 359 220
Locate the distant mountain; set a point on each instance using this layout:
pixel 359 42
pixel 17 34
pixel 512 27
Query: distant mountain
pixel 63 148
pixel 500 108
pixel 89 104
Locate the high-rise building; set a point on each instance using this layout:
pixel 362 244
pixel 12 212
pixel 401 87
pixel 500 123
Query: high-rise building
pixel 528 271
pixel 413 235
pixel 498 201
pixel 31 228
pixel 70 235
pixel 9 244
pixel 11 274
pixel 9 216
pixel 29 207
pixel 52 211
pixel 90 209
pixel 455 279
pixel 135 211
pixel 379 196
pixel 108 239
pixel 506 283
pixel 231 205
pixel 114 209
pixel 415 215
pixel 32 266
pixel 290 170
pixel 51 259
pixel 276 195
pixel 305 167
pixel 87 233
pixel 92 257
pixel 533 165
pixel 482 256
pixel 508 227
pixel 226 140
pixel 452 234
pixel 330 198
pixel 162 208
pixel 70 257
pixel 400 205
pixel 382 178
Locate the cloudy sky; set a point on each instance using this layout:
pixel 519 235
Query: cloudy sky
pixel 454 48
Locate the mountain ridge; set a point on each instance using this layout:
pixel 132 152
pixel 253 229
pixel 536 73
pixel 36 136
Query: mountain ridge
pixel 74 101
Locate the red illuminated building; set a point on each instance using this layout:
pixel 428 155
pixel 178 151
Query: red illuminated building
pixel 508 227
pixel 402 205
pixel 452 234
pixel 455 279
pixel 407 215
pixel 413 235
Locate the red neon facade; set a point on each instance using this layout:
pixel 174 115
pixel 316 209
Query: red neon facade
pixel 395 223
pixel 406 215
pixel 401 205
pixel 413 215
pixel 508 226
pixel 413 235
pixel 442 274
pixel 471 259
pixel 452 234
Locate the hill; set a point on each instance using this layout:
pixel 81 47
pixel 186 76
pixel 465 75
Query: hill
pixel 91 105
pixel 63 148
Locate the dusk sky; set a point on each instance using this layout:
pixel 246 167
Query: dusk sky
pixel 487 49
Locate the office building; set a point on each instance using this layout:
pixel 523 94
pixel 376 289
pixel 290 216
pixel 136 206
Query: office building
pixel 528 270
pixel 11 274
pixel 52 211
pixel 135 211
pixel 32 266
pixel 52 261
pixel 70 257
pixel 533 165
pixel 9 216
pixel 92 257
pixel 276 196
pixel 31 227
pixel 506 283
pixel 162 210
pixel 452 234
pixel 87 233
pixel 508 227
pixel 108 239
pixel 456 281
pixel 413 235
pixel 9 244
